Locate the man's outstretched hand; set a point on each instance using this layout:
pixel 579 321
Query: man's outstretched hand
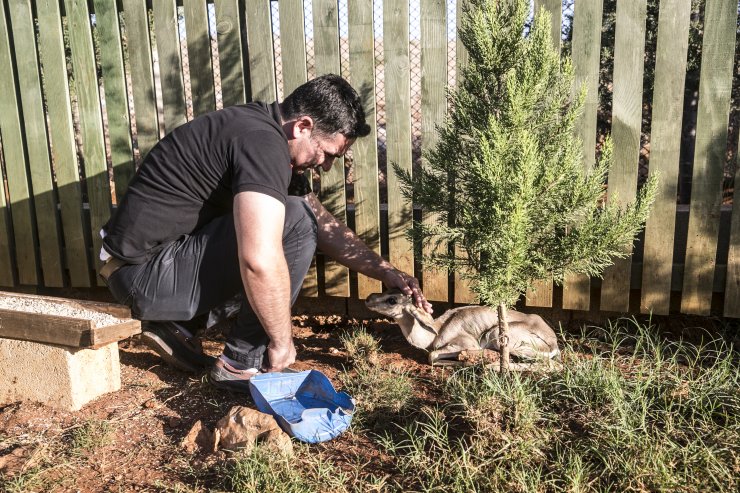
pixel 279 357
pixel 409 285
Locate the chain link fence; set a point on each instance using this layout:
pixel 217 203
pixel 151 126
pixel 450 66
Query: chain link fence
pixel 185 62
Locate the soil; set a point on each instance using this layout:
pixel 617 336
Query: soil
pixel 157 406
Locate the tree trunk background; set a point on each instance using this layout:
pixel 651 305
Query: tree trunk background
pixel 503 335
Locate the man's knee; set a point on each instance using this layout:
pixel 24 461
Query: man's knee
pixel 300 222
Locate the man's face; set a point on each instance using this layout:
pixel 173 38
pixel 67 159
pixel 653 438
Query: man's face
pixel 315 150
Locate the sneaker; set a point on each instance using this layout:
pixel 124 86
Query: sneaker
pixel 225 376
pixel 175 346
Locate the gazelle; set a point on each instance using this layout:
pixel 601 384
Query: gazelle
pixel 465 328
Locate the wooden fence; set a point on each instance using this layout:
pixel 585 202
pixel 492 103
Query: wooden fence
pixel 88 87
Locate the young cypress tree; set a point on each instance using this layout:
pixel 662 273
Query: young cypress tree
pixel 506 179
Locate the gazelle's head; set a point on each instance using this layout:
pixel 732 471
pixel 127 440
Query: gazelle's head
pixel 416 325
pixel 390 303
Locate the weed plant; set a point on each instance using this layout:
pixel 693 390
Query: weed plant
pixel 89 437
pixel 29 480
pixel 382 393
pixel 308 471
pixel 48 460
pixel 361 346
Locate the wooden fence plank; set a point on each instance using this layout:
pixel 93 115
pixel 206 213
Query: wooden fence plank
pixel 63 152
pixel 586 49
pixel 541 292
pixel 433 113
pixel 6 252
pixel 293 55
pixel 398 129
pixel 629 61
pixel 463 292
pixel 365 149
pixel 665 147
pixel 260 51
pixel 91 125
pixel 199 56
pixel 170 63
pixel 116 99
pixel 15 162
pixel 7 263
pixel 230 55
pixel 718 49
pixel 292 44
pixel 34 128
pixel 142 74
pixel 333 197
pixel 732 282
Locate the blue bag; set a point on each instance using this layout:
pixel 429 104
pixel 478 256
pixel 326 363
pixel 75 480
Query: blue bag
pixel 304 404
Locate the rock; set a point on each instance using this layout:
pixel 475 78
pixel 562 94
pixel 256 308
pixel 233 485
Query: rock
pixel 18 460
pixel 200 437
pixel 243 427
pixel 278 441
pixel 174 422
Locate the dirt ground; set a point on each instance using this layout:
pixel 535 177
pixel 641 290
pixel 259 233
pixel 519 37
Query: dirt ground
pixel 157 406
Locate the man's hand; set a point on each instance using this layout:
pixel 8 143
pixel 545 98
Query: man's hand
pixel 339 242
pixel 279 357
pixel 409 285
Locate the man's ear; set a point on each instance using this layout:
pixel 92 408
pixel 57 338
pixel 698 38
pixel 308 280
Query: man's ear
pixel 303 126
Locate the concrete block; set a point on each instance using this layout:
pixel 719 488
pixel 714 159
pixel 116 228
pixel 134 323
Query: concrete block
pixel 58 376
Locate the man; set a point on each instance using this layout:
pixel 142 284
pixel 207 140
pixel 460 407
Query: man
pixel 220 206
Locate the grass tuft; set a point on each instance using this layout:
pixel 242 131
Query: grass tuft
pixel 361 346
pixel 307 471
pixel 90 436
pixel 383 395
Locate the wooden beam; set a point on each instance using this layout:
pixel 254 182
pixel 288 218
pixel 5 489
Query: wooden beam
pixel 63 330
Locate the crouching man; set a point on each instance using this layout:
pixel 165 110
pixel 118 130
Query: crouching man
pixel 220 206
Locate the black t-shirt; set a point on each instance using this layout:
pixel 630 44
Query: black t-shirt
pixel 191 176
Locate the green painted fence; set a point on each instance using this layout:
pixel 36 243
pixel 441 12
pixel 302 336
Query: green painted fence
pixel 88 87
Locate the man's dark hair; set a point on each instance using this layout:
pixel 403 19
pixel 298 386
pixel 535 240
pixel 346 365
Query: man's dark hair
pixel 333 105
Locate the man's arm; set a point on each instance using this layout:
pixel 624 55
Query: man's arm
pixel 339 242
pixel 259 221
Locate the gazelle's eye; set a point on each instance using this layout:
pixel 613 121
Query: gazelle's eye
pixel 391 301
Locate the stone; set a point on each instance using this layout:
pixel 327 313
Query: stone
pixel 242 427
pixel 18 460
pixel 61 377
pixel 200 437
pixel 277 441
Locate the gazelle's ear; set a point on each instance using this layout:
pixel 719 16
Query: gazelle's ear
pixel 424 319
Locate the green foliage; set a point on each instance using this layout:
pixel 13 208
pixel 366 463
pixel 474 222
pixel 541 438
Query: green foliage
pixel 306 472
pixel 381 394
pixel 262 470
pixel 506 180
pixel 635 413
pixel 90 436
pixel 361 346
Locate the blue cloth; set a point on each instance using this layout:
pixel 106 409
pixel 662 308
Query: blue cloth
pixel 304 404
